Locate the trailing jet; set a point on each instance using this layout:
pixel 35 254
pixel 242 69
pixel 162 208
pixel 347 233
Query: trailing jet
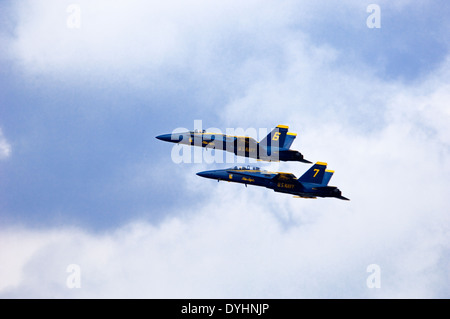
pixel 312 184
pixel 274 147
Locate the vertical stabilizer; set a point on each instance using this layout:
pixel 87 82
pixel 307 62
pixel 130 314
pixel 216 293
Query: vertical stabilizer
pixel 316 174
pixel 277 138
pixel 290 137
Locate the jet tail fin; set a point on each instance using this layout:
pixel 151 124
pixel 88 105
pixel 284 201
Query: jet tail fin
pixel 290 137
pixel 316 174
pixel 326 177
pixel 279 137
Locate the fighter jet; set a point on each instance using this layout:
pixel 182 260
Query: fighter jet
pixel 312 184
pixel 274 147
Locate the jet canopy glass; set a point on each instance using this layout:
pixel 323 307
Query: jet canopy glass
pixel 247 168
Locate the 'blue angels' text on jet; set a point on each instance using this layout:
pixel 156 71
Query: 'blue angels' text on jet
pixel 274 147
pixel 312 184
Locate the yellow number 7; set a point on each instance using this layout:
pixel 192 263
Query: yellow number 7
pixel 316 170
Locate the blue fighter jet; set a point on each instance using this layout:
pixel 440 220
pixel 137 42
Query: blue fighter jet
pixel 312 184
pixel 274 147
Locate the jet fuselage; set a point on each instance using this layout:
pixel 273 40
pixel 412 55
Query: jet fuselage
pixel 275 147
pixel 278 181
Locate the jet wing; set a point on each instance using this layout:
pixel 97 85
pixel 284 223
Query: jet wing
pixel 305 196
pixel 213 141
pixel 245 141
pixel 284 177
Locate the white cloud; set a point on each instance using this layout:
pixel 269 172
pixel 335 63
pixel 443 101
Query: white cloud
pixel 252 242
pixel 134 38
pixel 241 243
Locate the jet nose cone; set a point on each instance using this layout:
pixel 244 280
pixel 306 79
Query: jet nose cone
pixel 165 137
pixel 209 174
pixel 204 174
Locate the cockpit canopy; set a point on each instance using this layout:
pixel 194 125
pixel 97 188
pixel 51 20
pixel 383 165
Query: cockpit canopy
pixel 246 168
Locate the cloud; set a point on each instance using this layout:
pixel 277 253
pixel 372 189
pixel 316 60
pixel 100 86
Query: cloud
pixel 140 42
pixel 136 38
pixel 254 243
pixel 386 140
pixel 5 147
pixel 239 244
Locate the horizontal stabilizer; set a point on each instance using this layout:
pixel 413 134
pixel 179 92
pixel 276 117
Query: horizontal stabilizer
pixel 331 190
pixel 321 188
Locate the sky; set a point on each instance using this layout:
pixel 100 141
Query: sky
pixel 93 206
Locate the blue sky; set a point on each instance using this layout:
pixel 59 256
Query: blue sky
pixel 84 181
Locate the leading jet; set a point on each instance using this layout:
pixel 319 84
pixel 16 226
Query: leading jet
pixel 274 147
pixel 312 184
